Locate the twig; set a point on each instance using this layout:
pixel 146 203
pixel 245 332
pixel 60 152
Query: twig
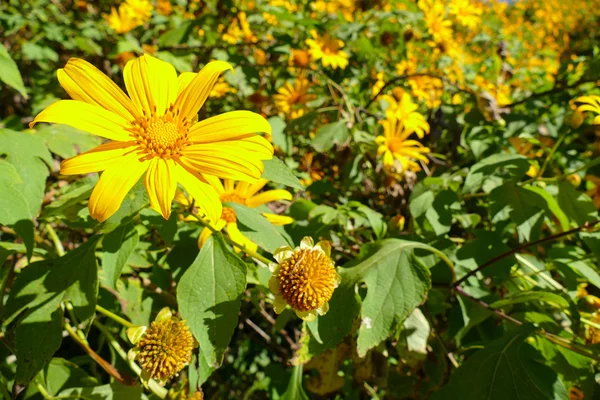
pixel 258 330
pixel 114 316
pixel 60 250
pixel 551 91
pixel 586 226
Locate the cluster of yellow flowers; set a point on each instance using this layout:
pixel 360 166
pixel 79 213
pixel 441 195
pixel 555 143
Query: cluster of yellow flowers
pixel 130 15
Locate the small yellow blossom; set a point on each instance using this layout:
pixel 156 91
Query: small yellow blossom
pixel 395 146
pixel 304 278
pixel 405 111
pixel 291 99
pixel 328 50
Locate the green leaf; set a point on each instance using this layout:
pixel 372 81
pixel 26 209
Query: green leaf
pixel 578 206
pixel 276 171
pixel 177 35
pixel 10 72
pixel 494 170
pixel 60 374
pixel 257 228
pixel 412 345
pixel 330 134
pixel 280 139
pixel 118 246
pixel 433 212
pixel 295 391
pixel 110 391
pixel 38 292
pixel 523 297
pixel 209 297
pixel 72 195
pixel 30 157
pixel 14 208
pixel 552 205
pixel 66 141
pixel 397 283
pixel 484 247
pixel 525 208
pixel 508 368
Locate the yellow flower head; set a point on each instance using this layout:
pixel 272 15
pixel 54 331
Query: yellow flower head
pixel 246 194
pixel 155 133
pixel 162 349
pixel 291 99
pixel 142 8
pixel 123 20
pixel 328 50
pixel 435 19
pixel 395 146
pixel 164 7
pixel 304 278
pixel 220 89
pixel 592 104
pixel 299 58
pixel 240 30
pixel 405 111
pixel 466 12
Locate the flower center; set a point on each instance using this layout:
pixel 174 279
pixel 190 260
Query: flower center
pixel 228 214
pixel 166 348
pixel 307 279
pixel 161 136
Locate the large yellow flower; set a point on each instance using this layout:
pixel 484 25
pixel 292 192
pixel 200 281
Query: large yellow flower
pixel 155 133
pixel 405 111
pixel 328 50
pixel 394 145
pixel 291 99
pixel 246 194
pixel 592 104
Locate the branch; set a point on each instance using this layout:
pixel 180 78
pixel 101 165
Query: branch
pixel 586 226
pixel 556 89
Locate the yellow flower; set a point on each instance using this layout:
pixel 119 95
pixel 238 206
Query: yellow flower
pixel 162 349
pixel 142 8
pixel 220 89
pixel 164 7
pixel 379 84
pixel 405 111
pixel 466 13
pixel 299 58
pixel 328 50
pixel 122 21
pixel 270 19
pixel 155 133
pixel 291 99
pixel 393 145
pixel 304 278
pixel 240 30
pixel 246 194
pixel 260 57
pixel 590 103
pixel 435 19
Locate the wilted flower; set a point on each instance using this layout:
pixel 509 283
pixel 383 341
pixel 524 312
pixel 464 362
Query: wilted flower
pixel 304 278
pixel 163 348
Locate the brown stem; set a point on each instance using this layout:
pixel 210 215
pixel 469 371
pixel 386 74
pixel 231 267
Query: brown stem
pixel 586 226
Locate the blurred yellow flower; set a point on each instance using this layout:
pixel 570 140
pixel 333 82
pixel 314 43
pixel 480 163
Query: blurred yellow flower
pixel 155 132
pixel 164 7
pixel 405 111
pixel 260 57
pixel 131 14
pixel 246 194
pixel 394 145
pixel 240 30
pixel 299 58
pixel 220 89
pixel 466 12
pixel 378 85
pixel 291 99
pixel 435 18
pixel 328 50
pixel 592 104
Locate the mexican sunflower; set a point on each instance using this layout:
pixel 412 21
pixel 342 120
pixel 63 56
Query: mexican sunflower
pixel 155 133
pixel 395 146
pixel 246 194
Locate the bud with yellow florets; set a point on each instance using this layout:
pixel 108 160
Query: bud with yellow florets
pixel 304 278
pixel 162 349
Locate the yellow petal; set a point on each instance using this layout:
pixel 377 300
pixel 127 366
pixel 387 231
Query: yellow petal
pixel 268 196
pixel 238 237
pixel 113 186
pixel 184 80
pixel 161 184
pixel 236 159
pixel 87 117
pixel 204 235
pixel 255 187
pixel 191 99
pixel 84 82
pixel 227 126
pixel 215 183
pixel 278 220
pixel 151 83
pixel 205 197
pixel 97 159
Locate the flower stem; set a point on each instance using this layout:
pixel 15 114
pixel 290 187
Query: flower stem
pixel 114 316
pixel 158 390
pixel 60 250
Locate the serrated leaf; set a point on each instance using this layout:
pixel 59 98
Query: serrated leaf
pixel 508 368
pixel 494 170
pixel 117 247
pixel 209 297
pixel 523 297
pixel 276 171
pixel 38 291
pixel 10 72
pixel 330 134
